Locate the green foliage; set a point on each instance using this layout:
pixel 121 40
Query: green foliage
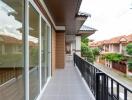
pixel 84 40
pixel 87 52
pixel 129 49
pixel 130 64
pixel 11 60
pixel 15 60
pixel 129 52
pixel 33 56
pixel 95 52
pixel 115 57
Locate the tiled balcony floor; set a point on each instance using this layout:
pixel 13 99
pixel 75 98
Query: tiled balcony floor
pixel 66 84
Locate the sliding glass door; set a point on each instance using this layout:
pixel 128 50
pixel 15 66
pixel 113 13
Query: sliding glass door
pixel 45 57
pixel 11 50
pixel 44 52
pixel 25 50
pixel 33 52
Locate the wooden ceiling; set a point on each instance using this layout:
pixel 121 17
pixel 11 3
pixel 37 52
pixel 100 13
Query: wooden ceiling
pixel 64 13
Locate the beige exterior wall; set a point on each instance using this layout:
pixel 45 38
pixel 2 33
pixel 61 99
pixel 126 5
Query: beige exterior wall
pixel 53 51
pixel 60 50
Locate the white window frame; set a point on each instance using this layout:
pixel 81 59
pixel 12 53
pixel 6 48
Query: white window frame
pixel 26 48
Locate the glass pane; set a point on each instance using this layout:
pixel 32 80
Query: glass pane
pixel 11 50
pixel 49 51
pixel 33 53
pixel 44 52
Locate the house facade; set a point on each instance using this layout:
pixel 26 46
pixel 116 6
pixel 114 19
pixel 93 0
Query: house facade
pixel 113 45
pixel 35 36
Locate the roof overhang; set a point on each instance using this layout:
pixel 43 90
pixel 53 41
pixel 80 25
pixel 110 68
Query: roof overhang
pixel 86 31
pixel 65 13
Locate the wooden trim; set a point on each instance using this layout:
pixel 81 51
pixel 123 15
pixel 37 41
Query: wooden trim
pixel 60 50
pixel 38 3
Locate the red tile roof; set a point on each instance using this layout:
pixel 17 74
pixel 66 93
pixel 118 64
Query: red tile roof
pixel 12 40
pixel 129 38
pixel 9 40
pixel 116 40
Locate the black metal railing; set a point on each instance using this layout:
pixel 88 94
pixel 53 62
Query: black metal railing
pixel 102 85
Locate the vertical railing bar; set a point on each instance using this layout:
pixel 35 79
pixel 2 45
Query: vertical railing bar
pixel 117 91
pixel 125 93
pixel 112 89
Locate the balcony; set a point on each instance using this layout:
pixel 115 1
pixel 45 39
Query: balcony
pixel 67 84
pixel 80 82
pixel 84 82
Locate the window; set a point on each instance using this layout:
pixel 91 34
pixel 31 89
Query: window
pixel 11 64
pixel 33 53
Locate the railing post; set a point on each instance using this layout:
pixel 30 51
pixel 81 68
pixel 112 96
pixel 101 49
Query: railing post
pixel 101 86
pixel 74 59
pixel 97 86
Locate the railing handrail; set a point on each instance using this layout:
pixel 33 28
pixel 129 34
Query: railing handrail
pixel 100 82
pixel 116 80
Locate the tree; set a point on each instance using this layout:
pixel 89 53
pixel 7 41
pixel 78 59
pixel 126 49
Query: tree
pixel 85 50
pixel 84 40
pixel 129 52
pixel 95 52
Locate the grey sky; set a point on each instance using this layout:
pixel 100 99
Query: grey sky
pixel 110 17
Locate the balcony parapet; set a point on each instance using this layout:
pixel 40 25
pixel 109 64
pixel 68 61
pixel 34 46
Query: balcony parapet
pixel 102 85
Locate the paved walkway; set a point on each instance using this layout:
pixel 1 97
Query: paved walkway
pixel 115 75
pixel 67 84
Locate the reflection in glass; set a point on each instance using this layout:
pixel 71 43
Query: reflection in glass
pixel 11 50
pixel 33 53
pixel 44 52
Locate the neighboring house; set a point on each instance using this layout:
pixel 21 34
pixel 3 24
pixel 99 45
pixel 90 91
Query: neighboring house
pixel 11 45
pixel 113 45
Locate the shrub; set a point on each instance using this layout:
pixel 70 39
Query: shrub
pixel 129 49
pixel 129 52
pixel 115 57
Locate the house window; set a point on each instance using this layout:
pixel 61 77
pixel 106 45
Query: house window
pixel 11 66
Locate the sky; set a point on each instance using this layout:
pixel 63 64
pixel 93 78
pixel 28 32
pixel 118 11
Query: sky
pixel 110 17
pixel 9 25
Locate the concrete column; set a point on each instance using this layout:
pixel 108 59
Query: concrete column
pixel 109 47
pixel 120 48
pixel 78 45
pixel 110 64
pixel 104 48
pixel 105 62
pixel 112 48
pixel 73 46
pixel 127 71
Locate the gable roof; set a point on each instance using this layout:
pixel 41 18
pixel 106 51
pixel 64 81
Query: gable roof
pixel 116 40
pixel 129 38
